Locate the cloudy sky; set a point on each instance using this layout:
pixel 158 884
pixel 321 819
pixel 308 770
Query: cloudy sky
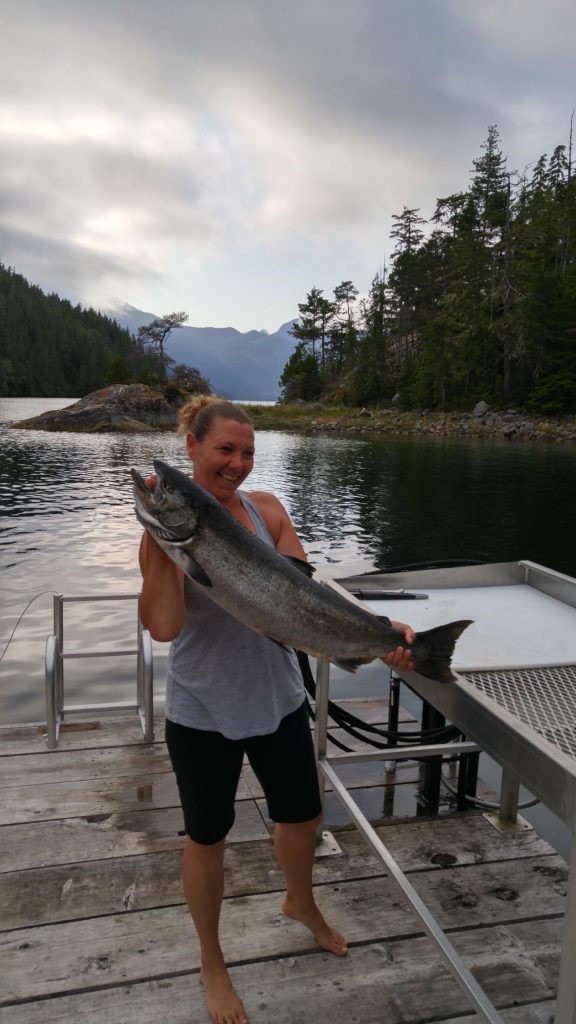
pixel 224 156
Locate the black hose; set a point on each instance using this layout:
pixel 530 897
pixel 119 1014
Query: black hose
pixel 349 722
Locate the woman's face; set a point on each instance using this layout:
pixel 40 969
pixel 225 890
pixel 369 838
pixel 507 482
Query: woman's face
pixel 224 458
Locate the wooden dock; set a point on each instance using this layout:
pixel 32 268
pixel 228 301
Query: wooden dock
pixel 94 926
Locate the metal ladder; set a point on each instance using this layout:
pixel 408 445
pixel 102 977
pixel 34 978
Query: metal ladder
pixel 55 656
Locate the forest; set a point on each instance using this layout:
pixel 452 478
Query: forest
pixel 48 347
pixel 478 303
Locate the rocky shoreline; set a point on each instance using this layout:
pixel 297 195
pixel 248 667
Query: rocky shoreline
pixel 482 422
pixel 137 408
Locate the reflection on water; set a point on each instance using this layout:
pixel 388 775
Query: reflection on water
pixel 68 524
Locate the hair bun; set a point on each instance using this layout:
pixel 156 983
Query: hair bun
pixel 194 419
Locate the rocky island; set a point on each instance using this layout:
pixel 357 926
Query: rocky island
pixel 130 408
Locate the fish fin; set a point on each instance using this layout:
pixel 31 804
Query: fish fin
pixel 194 571
pixel 300 564
pixel 350 664
pixel 432 650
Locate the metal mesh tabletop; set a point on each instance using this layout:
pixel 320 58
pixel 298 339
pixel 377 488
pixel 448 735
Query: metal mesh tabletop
pixel 542 698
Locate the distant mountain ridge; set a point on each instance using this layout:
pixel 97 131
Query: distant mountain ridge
pixel 242 365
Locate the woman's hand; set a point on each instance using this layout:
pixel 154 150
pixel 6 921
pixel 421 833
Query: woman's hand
pixel 401 658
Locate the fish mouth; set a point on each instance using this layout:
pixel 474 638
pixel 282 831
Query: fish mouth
pixel 144 501
pixel 140 489
pixel 146 511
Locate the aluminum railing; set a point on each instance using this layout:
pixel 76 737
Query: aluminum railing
pixel 56 655
pixel 484 1008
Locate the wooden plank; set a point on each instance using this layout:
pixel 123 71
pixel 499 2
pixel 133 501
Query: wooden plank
pixel 398 982
pixel 109 835
pixel 117 948
pixel 75 890
pixel 92 796
pixel 78 799
pixel 71 840
pixel 75 765
pixel 118 730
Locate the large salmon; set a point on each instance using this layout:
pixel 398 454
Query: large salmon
pixel 268 591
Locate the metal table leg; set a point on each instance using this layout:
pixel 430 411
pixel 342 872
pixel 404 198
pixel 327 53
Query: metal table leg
pixel 509 788
pixel 566 1003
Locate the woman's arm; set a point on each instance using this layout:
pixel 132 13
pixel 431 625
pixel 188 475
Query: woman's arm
pixel 161 603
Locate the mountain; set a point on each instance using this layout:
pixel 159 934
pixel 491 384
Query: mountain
pixel 244 365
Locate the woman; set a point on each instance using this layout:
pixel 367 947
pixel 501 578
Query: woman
pixel 232 692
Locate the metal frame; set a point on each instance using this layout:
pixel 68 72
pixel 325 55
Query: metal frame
pixel 452 959
pixel 525 756
pixel 55 656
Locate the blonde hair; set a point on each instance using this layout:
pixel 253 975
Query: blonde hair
pixel 199 413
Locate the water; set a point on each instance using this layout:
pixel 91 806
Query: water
pixel 68 525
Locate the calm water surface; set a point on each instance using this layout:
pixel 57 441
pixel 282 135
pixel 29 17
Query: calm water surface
pixel 67 524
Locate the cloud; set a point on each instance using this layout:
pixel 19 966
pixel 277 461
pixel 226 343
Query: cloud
pixel 159 150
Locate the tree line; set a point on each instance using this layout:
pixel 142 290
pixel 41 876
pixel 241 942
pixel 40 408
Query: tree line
pixel 51 348
pixel 477 303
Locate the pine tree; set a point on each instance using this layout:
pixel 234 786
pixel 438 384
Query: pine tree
pixel 155 335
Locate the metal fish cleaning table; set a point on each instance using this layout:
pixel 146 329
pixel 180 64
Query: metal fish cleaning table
pixel 515 698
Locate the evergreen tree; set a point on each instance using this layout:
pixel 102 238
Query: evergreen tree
pixel 343 333
pixel 371 376
pixel 405 279
pixel 155 335
pixel 312 330
pixel 301 376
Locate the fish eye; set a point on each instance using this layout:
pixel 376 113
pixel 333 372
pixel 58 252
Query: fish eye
pixel 168 487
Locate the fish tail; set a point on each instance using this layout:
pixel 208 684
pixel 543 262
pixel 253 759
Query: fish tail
pixel 433 649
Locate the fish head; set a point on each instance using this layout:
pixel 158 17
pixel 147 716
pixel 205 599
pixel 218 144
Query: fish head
pixel 171 510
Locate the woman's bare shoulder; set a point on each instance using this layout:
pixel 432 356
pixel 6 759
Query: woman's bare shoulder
pixel 265 499
pixel 269 507
pixel 278 522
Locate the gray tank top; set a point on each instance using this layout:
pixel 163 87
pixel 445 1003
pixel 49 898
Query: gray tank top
pixel 223 676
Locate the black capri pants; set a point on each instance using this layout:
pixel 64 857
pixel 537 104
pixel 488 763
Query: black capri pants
pixel 207 766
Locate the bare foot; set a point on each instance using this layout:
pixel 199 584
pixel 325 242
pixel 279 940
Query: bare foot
pixel 222 1001
pixel 326 937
